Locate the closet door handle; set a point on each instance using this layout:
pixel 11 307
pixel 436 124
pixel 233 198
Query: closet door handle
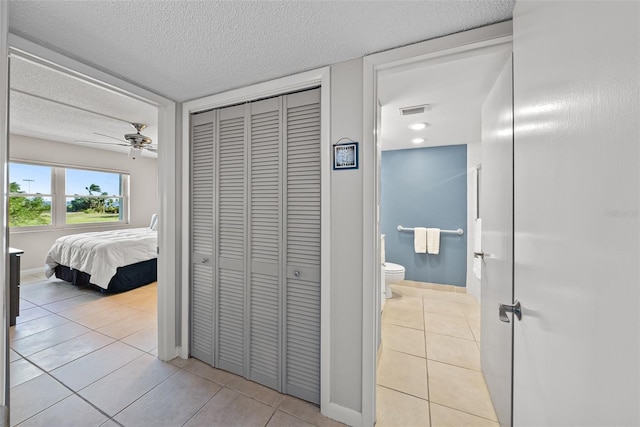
pixel 516 309
pixel 296 273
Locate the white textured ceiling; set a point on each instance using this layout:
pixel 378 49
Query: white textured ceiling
pixel 50 104
pixel 455 91
pixel 188 49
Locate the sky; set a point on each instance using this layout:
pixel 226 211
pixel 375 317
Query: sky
pixel 76 179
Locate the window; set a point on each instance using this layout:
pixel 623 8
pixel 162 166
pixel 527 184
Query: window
pixel 29 195
pixel 93 196
pixel 55 196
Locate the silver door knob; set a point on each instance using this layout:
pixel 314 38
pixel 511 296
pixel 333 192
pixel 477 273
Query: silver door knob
pixel 478 255
pixel 516 309
pixel 296 273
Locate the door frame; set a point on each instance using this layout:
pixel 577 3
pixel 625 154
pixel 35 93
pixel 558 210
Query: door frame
pixel 169 227
pixel 306 80
pixel 430 52
pixel 4 238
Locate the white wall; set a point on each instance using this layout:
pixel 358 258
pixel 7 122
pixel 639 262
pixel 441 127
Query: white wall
pixel 143 189
pixel 346 242
pixel 474 157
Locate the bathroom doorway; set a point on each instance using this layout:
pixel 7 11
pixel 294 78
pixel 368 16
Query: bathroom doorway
pixel 430 153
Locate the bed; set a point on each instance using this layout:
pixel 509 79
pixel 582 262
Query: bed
pixel 114 261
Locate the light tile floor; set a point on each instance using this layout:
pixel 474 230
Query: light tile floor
pixel 83 358
pixel 429 369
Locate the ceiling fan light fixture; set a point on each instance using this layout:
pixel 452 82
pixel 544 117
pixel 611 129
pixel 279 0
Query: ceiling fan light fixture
pixel 136 141
pixel 139 126
pixel 134 152
pixel 137 138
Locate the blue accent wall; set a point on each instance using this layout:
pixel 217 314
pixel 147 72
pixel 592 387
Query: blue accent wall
pixel 426 187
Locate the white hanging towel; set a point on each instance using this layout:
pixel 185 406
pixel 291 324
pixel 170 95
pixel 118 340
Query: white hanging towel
pixel 477 247
pixel 433 241
pixel 420 240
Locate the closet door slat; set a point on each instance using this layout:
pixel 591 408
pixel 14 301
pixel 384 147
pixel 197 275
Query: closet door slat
pixel 264 236
pixel 231 228
pixel 202 196
pixel 302 303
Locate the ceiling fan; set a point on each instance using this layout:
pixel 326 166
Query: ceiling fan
pixel 136 141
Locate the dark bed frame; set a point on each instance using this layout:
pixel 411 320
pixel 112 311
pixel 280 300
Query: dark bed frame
pixel 126 278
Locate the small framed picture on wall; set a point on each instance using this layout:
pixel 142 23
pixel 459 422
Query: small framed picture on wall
pixel 345 156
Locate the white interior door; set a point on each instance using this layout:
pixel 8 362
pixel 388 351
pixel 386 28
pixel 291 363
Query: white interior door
pixel 496 210
pixel 577 226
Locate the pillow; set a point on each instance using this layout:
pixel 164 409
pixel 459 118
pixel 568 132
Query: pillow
pixel 154 222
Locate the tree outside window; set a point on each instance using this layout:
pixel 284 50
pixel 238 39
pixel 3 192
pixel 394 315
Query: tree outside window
pixel 29 195
pixel 102 201
pixel 79 196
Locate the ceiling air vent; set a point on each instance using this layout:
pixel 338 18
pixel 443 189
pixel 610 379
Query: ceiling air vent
pixel 416 109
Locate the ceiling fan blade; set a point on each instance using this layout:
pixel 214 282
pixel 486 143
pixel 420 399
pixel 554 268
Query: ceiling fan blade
pixel 104 143
pixel 109 136
pixel 152 149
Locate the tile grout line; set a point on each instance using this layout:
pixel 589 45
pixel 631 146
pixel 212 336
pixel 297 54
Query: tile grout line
pixel 147 392
pixel 276 408
pixel 89 330
pixel 209 400
pixel 271 417
pixel 466 412
pixel 145 352
pixel 475 340
pixel 46 348
pixel 91 352
pixel 399 391
pixel 65 386
pixel 426 358
pixel 86 326
pixel 450 336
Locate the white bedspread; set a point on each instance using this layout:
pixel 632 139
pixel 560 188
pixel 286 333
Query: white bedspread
pixel 101 253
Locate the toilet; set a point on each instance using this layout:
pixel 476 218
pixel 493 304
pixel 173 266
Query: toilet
pixel 392 273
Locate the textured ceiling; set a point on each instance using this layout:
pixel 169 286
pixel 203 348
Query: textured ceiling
pixel 50 104
pixel 455 91
pixel 186 50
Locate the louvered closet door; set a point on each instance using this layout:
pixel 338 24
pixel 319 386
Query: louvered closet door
pixel 265 135
pixel 256 306
pixel 202 195
pixel 302 194
pixel 231 221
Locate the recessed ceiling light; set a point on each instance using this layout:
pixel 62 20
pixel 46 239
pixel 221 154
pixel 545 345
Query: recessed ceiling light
pixel 418 126
pixel 417 140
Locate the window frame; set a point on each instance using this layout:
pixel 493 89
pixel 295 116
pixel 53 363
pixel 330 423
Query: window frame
pixel 25 194
pixel 59 197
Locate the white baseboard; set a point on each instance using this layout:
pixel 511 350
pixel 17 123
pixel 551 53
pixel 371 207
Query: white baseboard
pixel 182 352
pixel 342 414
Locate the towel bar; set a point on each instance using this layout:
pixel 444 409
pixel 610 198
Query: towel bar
pixel 459 231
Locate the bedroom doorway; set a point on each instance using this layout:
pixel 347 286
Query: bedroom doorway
pixel 79 334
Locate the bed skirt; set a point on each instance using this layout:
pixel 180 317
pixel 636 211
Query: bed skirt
pixel 126 278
